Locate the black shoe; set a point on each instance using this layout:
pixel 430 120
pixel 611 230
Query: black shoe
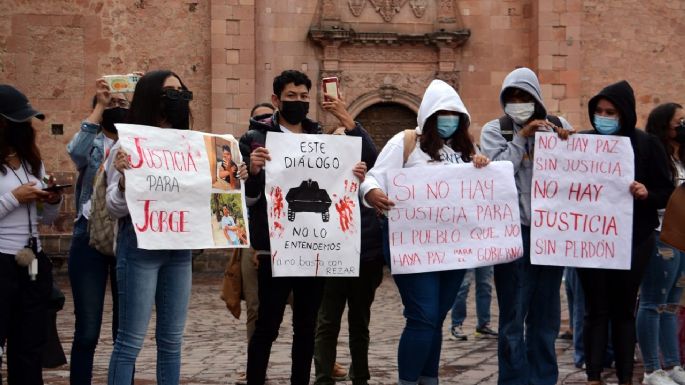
pixel 485 332
pixel 458 334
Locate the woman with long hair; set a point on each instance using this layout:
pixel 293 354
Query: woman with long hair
pixel 147 277
pixel 25 271
pixel 657 326
pixel 442 137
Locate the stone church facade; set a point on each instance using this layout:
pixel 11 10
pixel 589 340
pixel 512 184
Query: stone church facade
pixel 385 53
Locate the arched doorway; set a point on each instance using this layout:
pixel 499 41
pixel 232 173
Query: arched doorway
pixel 384 120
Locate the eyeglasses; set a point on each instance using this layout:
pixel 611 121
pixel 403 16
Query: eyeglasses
pixel 123 103
pixel 173 94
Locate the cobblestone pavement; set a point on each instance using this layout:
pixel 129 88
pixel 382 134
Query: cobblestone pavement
pixel 215 349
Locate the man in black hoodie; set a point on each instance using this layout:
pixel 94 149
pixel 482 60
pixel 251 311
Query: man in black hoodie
pixel 610 295
pixel 291 97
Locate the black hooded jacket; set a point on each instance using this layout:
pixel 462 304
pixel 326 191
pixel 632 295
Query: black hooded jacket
pixel 651 161
pixel 371 240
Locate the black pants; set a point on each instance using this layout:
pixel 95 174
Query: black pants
pixel 273 295
pixel 611 295
pixel 358 294
pixel 23 312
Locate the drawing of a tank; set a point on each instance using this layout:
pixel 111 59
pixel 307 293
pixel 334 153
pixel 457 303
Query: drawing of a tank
pixel 308 197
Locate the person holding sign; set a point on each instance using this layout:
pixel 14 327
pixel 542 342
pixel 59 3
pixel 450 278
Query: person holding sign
pixel 610 295
pixel 527 295
pixel 664 279
pixel 442 137
pixel 147 277
pixel 291 97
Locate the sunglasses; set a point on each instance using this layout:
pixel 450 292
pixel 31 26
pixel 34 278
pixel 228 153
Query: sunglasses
pixel 173 94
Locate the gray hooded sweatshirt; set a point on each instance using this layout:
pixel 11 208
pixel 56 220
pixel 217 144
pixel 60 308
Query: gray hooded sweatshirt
pixel 520 150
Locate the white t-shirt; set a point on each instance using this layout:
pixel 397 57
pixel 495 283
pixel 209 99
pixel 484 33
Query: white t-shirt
pixel 14 218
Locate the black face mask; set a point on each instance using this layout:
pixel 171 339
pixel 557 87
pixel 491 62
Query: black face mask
pixel 294 111
pixel 176 112
pixel 680 134
pixel 111 116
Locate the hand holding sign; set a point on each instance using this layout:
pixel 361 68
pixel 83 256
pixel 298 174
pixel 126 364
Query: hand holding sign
pixel 258 159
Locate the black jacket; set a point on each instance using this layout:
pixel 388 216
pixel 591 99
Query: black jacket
pixel 255 137
pixel 651 161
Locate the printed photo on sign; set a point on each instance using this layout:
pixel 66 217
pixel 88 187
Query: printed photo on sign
pixel 225 158
pixel 581 206
pixel 313 204
pixel 169 190
pixel 229 227
pixel 449 217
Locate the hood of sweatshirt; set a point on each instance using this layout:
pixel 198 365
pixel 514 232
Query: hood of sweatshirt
pixel 525 80
pixel 621 95
pixel 440 96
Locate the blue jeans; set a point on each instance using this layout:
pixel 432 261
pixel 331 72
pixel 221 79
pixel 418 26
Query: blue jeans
pixel 88 273
pixel 657 315
pixel 147 277
pixel 530 311
pixel 483 276
pixel 427 297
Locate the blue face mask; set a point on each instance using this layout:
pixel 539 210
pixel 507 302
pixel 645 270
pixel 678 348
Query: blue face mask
pixel 447 125
pixel 605 125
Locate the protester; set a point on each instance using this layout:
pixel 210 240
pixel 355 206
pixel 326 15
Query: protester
pixel 610 295
pixel 89 269
pixel 483 278
pixel 527 295
pixel 144 277
pixel 25 270
pixel 662 285
pixel 291 96
pixel 357 293
pixel 442 137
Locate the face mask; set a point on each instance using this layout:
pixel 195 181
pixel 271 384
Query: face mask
pixel 111 116
pixel 605 125
pixel 294 111
pixel 520 112
pixel 176 112
pixel 447 125
pixel 680 133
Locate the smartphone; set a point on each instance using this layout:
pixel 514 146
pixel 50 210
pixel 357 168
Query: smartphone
pixel 56 187
pixel 330 86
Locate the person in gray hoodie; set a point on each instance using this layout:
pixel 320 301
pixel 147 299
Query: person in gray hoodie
pixel 527 295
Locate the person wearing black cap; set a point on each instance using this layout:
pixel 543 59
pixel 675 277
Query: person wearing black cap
pixel 25 271
pixel 610 295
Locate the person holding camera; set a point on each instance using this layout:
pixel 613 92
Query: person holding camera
pixel 89 269
pixel 25 270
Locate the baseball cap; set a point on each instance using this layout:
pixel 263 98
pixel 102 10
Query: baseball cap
pixel 15 106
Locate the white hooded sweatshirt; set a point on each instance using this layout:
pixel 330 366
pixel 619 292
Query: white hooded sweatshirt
pixel 439 96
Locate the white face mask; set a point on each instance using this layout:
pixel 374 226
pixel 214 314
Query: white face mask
pixel 520 112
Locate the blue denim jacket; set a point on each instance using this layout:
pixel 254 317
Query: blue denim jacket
pixel 86 150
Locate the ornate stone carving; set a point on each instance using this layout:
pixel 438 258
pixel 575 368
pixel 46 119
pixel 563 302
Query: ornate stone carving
pixel 388 8
pixel 356 6
pixel 419 7
pixel 450 77
pixel 446 12
pixel 420 54
pixel 329 10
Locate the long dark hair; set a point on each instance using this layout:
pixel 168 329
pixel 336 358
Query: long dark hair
pixel 21 138
pixel 659 124
pixel 431 142
pixel 146 106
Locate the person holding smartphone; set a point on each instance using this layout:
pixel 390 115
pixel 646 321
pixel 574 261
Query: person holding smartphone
pixel 25 270
pixel 89 269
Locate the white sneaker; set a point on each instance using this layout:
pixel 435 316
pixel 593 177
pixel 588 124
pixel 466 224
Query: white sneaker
pixel 658 377
pixel 677 374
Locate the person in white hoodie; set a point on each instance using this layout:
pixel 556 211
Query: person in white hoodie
pixel 441 138
pixel 527 295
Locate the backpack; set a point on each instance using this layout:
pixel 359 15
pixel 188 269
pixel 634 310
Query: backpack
pixel 410 137
pixel 101 227
pixel 506 125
